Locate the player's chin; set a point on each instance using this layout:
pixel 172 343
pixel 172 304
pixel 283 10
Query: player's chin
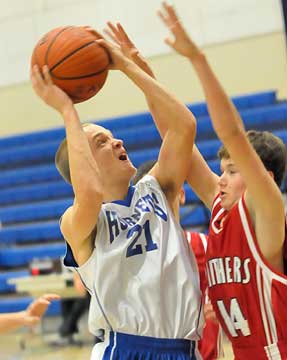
pixel 225 204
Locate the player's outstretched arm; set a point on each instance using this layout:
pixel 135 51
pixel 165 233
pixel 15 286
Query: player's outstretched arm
pixel 199 168
pixel 29 317
pixel 177 143
pixel 79 221
pixel 229 127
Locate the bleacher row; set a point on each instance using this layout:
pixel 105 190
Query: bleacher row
pixel 33 196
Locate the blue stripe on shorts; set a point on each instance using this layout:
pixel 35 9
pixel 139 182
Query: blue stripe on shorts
pixel 132 347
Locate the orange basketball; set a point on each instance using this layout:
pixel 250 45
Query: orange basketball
pixel 77 63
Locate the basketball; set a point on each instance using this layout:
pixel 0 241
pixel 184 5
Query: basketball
pixel 77 63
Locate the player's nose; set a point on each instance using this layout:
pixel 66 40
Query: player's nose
pixel 118 143
pixel 222 179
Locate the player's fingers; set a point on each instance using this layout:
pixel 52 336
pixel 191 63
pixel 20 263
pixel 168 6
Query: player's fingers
pixel 113 29
pixel 107 45
pixel 135 52
pixel 46 75
pixel 97 34
pixel 169 42
pixel 170 11
pixel 163 17
pixel 93 32
pixel 51 297
pixel 124 35
pixel 111 36
pixel 36 78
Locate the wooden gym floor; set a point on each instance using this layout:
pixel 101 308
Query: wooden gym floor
pixel 38 349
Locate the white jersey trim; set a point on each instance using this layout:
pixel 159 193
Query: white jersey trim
pixel 262 308
pixel 264 277
pixel 204 241
pixel 281 278
pixel 115 344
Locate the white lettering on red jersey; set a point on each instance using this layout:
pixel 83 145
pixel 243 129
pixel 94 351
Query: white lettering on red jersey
pixel 248 296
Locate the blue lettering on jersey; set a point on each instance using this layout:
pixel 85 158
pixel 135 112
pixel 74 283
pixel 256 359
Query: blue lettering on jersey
pixel 113 224
pixel 147 203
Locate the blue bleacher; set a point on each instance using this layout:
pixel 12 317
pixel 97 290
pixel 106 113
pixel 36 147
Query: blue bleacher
pixel 33 195
pixel 247 101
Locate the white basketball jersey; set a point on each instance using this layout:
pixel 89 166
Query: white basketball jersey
pixel 142 275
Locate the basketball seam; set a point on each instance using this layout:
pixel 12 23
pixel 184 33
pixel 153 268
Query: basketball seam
pixel 81 76
pixel 52 42
pixel 69 55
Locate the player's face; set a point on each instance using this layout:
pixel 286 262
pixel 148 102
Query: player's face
pixel 231 184
pixel 109 153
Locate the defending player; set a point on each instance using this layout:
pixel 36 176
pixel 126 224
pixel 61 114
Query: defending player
pixel 245 253
pixel 124 241
pixel 210 344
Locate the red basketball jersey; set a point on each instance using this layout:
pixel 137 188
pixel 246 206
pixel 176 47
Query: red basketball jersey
pixel 248 296
pixel 210 346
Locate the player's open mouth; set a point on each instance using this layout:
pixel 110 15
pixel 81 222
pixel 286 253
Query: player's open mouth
pixel 123 157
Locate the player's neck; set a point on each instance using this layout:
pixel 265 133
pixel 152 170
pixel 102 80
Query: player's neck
pixel 117 191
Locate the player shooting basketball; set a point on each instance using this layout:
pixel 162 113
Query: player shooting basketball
pixel 125 241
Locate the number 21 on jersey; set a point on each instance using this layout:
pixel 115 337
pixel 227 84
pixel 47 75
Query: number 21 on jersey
pixel 134 248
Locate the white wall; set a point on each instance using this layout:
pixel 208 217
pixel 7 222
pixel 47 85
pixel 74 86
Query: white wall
pixel 23 22
pixel 247 65
pixel 243 39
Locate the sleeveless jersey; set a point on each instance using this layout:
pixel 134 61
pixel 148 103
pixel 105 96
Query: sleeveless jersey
pixel 248 296
pixel 210 346
pixel 142 275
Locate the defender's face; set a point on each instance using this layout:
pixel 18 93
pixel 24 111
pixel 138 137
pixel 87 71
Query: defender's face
pixel 231 184
pixel 109 153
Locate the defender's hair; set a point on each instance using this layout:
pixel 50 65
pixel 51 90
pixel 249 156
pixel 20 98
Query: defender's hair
pixel 270 149
pixel 143 170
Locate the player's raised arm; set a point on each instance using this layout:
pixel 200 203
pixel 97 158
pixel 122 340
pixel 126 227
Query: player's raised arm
pixel 199 169
pixel 79 220
pixel 229 127
pixel 176 149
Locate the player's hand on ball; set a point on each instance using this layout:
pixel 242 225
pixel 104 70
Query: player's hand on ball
pixel 47 90
pixel 119 36
pixel 119 61
pixel 93 31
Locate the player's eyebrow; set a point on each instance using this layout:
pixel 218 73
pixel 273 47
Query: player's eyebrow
pixel 230 165
pixel 95 136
